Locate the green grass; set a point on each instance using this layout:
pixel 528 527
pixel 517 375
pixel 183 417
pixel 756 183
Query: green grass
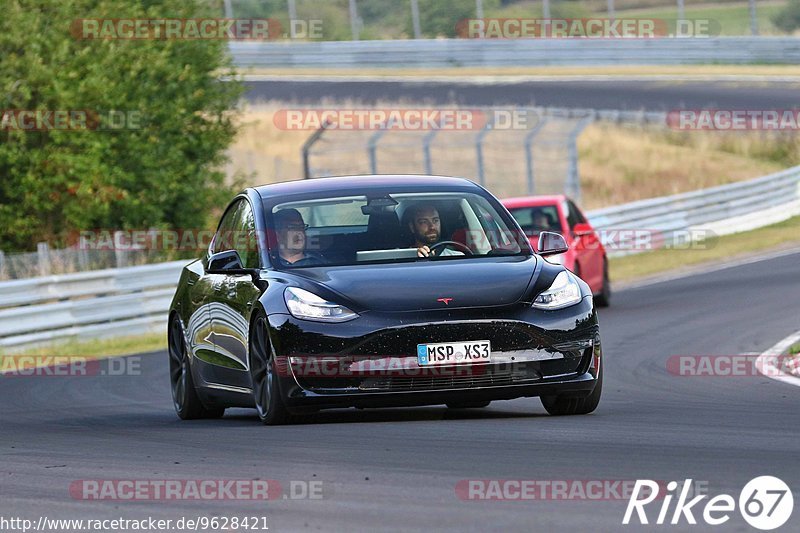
pixel 783 234
pixel 99 348
pixel 733 19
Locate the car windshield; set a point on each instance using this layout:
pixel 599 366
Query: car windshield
pixel 536 219
pixel 390 227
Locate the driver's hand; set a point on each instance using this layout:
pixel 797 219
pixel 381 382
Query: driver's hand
pixel 423 251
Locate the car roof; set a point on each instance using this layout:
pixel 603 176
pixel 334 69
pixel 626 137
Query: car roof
pixel 532 201
pixel 364 183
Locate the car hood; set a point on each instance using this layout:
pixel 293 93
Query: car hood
pixel 399 287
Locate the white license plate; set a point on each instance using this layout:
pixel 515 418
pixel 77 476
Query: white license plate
pixel 454 353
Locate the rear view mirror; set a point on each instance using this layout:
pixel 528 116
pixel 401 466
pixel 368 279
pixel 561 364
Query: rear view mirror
pixel 551 244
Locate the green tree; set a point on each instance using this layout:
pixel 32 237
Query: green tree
pixel 788 18
pixel 160 171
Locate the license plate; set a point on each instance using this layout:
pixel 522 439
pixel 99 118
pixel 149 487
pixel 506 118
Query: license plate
pixel 454 353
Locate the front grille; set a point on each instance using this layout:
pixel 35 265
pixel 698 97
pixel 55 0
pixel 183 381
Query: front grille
pixel 490 378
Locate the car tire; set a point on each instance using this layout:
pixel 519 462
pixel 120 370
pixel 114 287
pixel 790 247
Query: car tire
pixel 184 395
pixel 604 298
pixel 575 405
pixel 467 405
pixel 267 396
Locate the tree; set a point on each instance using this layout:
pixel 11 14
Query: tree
pixel 160 170
pixel 788 18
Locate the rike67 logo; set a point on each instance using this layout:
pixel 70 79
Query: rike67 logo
pixel 765 503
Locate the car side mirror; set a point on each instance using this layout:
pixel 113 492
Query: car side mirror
pixel 551 244
pixel 227 262
pixel 582 228
pixel 230 263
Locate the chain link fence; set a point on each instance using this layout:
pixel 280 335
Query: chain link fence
pixel 517 152
pixel 46 261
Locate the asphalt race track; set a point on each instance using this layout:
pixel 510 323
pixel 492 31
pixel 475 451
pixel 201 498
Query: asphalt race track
pixel 398 469
pixel 597 94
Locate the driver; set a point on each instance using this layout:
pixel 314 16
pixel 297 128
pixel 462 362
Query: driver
pixel 426 227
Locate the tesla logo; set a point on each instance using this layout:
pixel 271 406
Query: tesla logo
pixel 445 301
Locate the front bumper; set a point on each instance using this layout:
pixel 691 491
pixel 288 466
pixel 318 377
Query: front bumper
pixel 371 361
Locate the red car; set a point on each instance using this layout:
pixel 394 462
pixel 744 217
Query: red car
pixel 586 256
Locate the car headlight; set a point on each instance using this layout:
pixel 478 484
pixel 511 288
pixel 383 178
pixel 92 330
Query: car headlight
pixel 307 305
pixel 563 292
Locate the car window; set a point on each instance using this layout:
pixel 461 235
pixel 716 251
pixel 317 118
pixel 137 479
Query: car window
pixel 536 219
pixel 223 238
pixel 576 213
pixel 246 242
pixel 362 229
pixel 572 214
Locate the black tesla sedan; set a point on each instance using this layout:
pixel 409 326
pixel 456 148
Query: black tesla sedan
pixel 371 291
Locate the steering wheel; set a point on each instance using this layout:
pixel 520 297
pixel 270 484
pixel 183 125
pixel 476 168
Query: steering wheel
pixel 454 244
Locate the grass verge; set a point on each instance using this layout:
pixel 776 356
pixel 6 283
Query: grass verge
pixel 630 268
pixel 98 348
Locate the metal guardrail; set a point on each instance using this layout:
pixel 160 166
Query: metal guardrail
pixel 102 303
pixel 515 52
pixel 135 300
pixel 708 212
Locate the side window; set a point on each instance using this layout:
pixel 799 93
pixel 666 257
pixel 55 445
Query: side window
pixel 572 214
pixel 246 243
pixel 223 239
pixel 576 213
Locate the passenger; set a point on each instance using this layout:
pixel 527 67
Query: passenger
pixel 292 240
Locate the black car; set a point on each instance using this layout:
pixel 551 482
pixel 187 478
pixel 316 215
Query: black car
pixel 371 291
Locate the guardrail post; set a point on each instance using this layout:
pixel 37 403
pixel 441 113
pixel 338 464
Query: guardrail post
pixel 2 265
pixel 372 150
pixel 43 258
pixel 529 137
pixel 310 142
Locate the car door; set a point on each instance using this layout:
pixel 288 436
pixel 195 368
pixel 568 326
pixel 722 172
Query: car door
pixel 233 296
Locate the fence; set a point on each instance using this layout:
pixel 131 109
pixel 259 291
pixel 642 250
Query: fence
pixel 136 299
pixel 507 154
pixel 78 258
pixel 442 53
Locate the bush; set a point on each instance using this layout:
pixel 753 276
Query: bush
pixel 165 174
pixel 788 18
